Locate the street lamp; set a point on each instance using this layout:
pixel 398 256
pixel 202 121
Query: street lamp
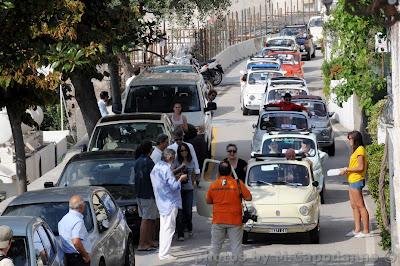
pixel 327 4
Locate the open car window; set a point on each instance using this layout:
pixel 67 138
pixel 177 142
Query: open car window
pixel 315 107
pixel 278 174
pixel 279 145
pixel 262 77
pixel 283 121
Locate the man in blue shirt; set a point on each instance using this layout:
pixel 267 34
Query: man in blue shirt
pixel 73 233
pixel 167 192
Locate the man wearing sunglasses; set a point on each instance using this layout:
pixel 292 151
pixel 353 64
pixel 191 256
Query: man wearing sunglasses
pixel 178 138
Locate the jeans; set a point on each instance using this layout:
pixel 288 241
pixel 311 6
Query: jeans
pixel 184 219
pixel 218 232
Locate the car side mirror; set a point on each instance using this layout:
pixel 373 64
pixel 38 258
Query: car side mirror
pixel 242 72
pixel 323 155
pixel 84 148
pixel 48 184
pixel 211 106
pixel 331 114
pixel 254 126
pixel 315 183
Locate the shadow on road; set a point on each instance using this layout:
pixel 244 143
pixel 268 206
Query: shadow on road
pixel 223 110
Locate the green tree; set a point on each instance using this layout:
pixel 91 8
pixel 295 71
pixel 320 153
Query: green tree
pixel 28 27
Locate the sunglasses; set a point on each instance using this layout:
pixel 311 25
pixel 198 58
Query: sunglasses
pixel 232 151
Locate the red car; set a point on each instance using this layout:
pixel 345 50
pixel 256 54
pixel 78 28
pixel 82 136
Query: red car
pixel 291 62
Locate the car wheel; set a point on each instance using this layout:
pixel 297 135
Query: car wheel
pixel 314 235
pixel 102 262
pixel 130 254
pixel 245 238
pixel 331 150
pixel 245 111
pixel 217 78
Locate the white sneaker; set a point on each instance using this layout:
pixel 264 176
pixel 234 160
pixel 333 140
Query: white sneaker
pixel 168 258
pixel 362 235
pixel 352 233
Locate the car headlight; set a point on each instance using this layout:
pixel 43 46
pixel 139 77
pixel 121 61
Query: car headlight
pixel 304 210
pixel 251 97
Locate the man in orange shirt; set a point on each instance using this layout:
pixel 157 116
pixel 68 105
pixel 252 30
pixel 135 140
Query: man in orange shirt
pixel 224 194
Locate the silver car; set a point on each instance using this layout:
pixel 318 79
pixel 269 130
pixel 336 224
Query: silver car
pixel 110 238
pixel 320 121
pixel 33 242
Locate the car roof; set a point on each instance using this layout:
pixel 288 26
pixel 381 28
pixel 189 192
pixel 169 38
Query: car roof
pixel 263 71
pixel 290 134
pixel 19 224
pixel 278 111
pixel 132 116
pixel 55 194
pixel 282 37
pixel 171 66
pixel 103 154
pixel 148 78
pixel 306 97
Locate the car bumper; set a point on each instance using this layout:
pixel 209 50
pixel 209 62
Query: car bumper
pixel 325 136
pixel 253 105
pixel 280 228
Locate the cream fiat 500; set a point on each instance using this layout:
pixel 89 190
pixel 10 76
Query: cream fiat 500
pixel 285 198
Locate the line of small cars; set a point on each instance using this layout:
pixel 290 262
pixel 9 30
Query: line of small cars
pixel 103 173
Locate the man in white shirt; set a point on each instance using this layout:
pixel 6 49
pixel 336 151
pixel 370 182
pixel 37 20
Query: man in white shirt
pixel 102 103
pixel 178 138
pixel 6 236
pixel 162 143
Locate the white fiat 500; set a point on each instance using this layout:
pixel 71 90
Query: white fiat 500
pixel 285 198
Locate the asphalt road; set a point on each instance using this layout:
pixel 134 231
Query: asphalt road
pixel 230 126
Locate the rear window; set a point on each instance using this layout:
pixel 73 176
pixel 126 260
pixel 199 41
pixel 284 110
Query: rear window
pixel 261 78
pixel 50 212
pixel 283 121
pixel 161 98
pixel 280 42
pixel 124 136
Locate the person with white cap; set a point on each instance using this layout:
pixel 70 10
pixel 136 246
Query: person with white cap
pixel 6 236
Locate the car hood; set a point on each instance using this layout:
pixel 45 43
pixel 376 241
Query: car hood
pixel 319 122
pixel 279 195
pixel 256 89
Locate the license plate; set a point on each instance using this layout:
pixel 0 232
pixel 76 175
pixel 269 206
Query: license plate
pixel 278 230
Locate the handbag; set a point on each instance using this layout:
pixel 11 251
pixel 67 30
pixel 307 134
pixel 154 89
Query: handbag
pixel 246 216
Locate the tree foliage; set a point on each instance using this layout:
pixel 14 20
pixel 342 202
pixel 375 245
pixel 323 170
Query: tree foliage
pixel 354 58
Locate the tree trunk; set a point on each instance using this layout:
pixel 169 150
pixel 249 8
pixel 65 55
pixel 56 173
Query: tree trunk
pixel 127 67
pixel 114 82
pixel 15 121
pixel 86 98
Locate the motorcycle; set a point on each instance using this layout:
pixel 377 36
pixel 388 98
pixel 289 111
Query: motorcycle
pixel 211 71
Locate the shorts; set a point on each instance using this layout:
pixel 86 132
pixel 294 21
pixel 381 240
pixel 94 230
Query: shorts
pixel 147 209
pixel 359 185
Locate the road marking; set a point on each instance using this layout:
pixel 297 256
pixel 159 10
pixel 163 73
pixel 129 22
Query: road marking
pixel 214 142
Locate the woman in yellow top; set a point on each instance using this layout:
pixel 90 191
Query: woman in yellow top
pixel 356 178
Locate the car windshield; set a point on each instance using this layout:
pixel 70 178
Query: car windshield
pixel 318 22
pixel 180 69
pixel 263 65
pixel 294 31
pixel 161 98
pixel 283 121
pixel 18 251
pixel 280 42
pixel 261 78
pixel 279 145
pixel 116 174
pixel 51 212
pixel 316 108
pixel 124 135
pixel 277 94
pixel 278 174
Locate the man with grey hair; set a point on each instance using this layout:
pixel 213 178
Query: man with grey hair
pixel 6 235
pixel 167 192
pixel 162 144
pixel 73 233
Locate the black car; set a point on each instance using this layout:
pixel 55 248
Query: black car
pixel 112 170
pixel 303 39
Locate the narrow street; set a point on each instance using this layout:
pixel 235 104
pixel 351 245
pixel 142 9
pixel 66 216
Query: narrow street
pixel 230 126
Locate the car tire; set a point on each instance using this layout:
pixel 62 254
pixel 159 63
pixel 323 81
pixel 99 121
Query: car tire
pixel 245 111
pixel 245 238
pixel 331 149
pixel 130 253
pixel 217 78
pixel 102 262
pixel 314 235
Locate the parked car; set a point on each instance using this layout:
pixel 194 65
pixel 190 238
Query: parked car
pixel 112 170
pixel 303 39
pixel 127 131
pixel 275 144
pixel 315 24
pixel 253 89
pixel 157 93
pixel 33 242
pixel 271 119
pixel 174 69
pixel 285 198
pixel 110 238
pixel 320 121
